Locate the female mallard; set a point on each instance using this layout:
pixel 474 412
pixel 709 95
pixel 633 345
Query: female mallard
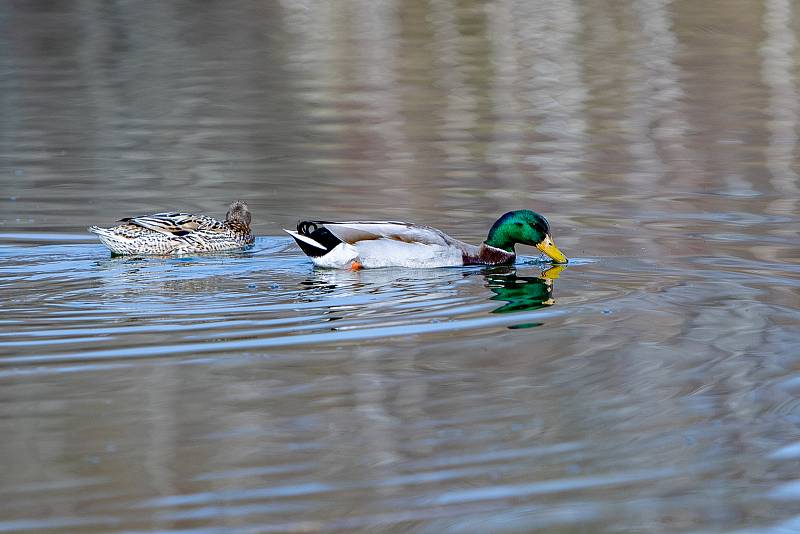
pixel 179 233
pixel 353 245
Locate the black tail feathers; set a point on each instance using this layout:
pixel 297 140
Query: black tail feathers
pixel 316 231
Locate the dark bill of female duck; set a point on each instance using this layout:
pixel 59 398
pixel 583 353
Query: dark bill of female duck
pixel 358 244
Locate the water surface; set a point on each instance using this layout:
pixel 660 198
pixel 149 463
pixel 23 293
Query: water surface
pixel 651 385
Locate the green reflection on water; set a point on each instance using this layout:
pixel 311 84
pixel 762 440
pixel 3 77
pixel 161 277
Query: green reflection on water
pixel 521 293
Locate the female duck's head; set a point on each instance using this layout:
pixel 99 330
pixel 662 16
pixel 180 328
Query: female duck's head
pixel 527 228
pixel 238 211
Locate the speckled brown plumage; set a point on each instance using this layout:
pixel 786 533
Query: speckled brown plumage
pixel 179 233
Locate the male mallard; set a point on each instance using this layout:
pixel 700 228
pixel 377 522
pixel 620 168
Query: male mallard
pixel 179 233
pixel 355 245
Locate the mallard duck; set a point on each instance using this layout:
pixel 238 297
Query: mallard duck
pixel 353 245
pixel 178 233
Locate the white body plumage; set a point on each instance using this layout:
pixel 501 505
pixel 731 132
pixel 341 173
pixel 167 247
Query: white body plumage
pixel 380 244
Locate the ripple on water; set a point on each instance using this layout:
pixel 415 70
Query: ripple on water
pixel 134 307
pixel 603 342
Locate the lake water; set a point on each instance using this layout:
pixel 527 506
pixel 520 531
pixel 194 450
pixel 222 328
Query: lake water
pixel 652 385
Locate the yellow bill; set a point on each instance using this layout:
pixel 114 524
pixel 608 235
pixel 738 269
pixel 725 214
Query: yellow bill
pixel 551 250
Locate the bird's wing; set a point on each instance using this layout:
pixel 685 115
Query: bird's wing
pixel 176 224
pixel 355 231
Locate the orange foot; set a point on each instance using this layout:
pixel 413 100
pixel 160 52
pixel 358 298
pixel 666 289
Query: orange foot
pixel 355 266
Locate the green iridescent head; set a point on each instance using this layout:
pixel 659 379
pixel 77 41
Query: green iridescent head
pixel 527 228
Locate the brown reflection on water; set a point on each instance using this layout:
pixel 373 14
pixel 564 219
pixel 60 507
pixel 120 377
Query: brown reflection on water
pixel 778 72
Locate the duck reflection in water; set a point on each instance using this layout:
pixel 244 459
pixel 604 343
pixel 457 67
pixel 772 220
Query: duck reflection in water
pixel 521 293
